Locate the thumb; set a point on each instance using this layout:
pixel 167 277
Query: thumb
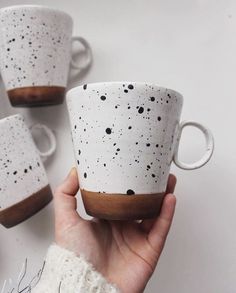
pixel 159 231
pixel 65 202
pixel 70 185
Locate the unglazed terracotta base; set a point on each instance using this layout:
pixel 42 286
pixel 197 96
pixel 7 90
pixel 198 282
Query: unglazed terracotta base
pixel 21 211
pixel 36 96
pixel 122 207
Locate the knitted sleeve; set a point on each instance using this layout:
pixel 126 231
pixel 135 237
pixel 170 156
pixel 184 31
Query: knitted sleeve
pixel 64 272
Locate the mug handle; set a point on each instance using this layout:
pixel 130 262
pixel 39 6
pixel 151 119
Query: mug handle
pixel 209 146
pixel 89 55
pixel 51 137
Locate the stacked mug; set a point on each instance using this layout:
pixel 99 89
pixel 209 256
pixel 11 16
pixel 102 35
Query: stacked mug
pixel 36 54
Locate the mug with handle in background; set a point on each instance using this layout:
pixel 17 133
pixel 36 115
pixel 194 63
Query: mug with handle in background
pixel 35 54
pixel 24 186
pixel 125 136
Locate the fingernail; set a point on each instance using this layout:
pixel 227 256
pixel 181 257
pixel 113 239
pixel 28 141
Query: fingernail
pixel 171 195
pixel 73 172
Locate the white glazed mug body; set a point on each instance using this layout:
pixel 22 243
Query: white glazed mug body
pixel 35 46
pixel 124 135
pixel 36 52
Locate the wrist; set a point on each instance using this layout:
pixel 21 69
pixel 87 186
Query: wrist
pixel 66 272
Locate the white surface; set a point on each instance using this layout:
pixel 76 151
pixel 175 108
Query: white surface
pixel 185 45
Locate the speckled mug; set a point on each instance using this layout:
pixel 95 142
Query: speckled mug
pixel 36 46
pixel 24 187
pixel 125 136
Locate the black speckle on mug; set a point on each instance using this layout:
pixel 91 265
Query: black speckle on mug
pixel 103 98
pixel 85 86
pixel 85 175
pixel 140 110
pixel 130 192
pixel 130 86
pixel 108 130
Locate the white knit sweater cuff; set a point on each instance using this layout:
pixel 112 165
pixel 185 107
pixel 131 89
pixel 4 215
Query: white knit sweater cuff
pixel 65 272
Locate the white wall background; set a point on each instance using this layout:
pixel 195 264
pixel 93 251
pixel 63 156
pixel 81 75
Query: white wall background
pixel 186 45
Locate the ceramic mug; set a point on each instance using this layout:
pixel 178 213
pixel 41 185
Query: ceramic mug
pixel 24 187
pixel 36 47
pixel 125 137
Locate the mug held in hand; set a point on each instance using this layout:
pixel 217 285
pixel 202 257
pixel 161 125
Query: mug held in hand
pixel 125 137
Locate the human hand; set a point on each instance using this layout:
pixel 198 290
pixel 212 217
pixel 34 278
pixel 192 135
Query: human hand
pixel 124 252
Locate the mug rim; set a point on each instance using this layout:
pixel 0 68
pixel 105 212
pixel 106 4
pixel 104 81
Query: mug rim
pixel 73 90
pixel 32 6
pixel 4 119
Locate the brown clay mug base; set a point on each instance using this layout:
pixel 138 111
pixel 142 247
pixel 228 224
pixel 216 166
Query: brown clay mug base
pixel 122 207
pixel 26 208
pixel 36 96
